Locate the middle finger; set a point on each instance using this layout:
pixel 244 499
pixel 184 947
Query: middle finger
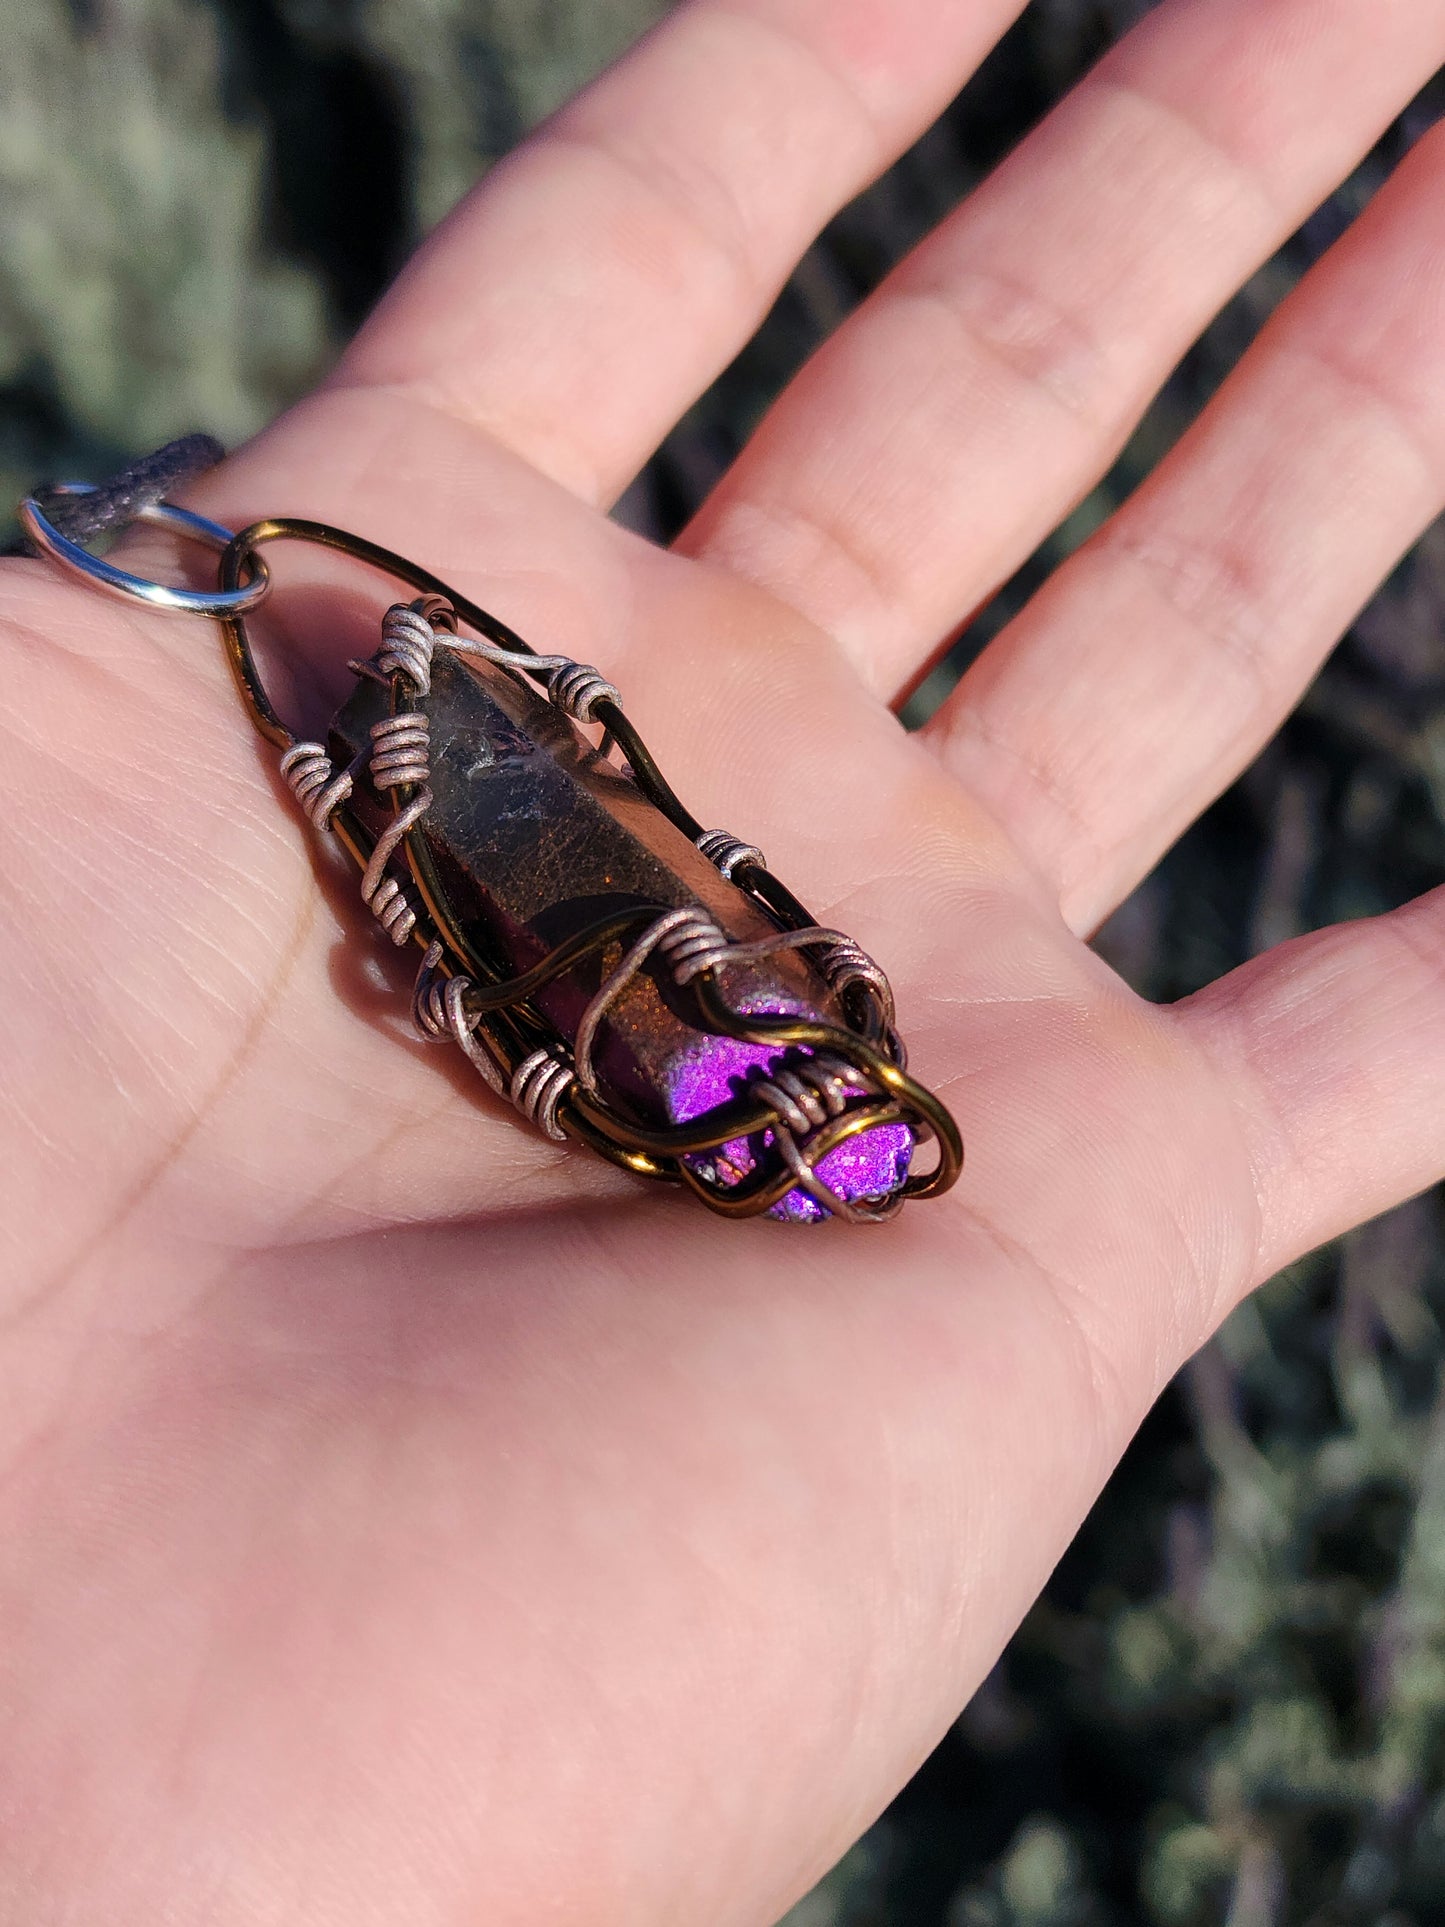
pixel 943 431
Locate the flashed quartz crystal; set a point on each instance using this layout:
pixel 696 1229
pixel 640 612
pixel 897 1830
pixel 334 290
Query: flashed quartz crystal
pixel 534 836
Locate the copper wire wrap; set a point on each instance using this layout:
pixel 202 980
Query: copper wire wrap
pixel 820 1082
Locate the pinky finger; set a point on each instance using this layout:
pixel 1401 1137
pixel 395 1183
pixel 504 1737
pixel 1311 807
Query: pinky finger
pixel 1334 1048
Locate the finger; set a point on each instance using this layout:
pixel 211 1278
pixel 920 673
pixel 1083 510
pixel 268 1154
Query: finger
pixel 1165 653
pixel 945 429
pixel 600 278
pixel 1335 1046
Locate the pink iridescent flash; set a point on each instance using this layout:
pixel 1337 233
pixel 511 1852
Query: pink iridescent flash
pixel 871 1165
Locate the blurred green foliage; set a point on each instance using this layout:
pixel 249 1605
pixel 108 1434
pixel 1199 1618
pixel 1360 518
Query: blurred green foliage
pixel 198 201
pixel 1230 1705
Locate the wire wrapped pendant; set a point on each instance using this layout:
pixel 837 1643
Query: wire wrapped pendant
pixel 623 977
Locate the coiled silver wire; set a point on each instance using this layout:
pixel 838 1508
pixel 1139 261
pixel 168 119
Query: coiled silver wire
pixel 539 1084
pixel 314 782
pixel 407 644
pixel 401 751
pixel 439 1011
pixel 390 905
pixel 575 687
pixel 841 961
pixel 409 641
pixel 387 900
pixel 807 1092
pixel 844 962
pixel 729 852
pixel 691 942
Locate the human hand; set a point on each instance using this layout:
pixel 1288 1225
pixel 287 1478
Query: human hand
pixel 405 1520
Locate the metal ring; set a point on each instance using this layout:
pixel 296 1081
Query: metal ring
pixel 45 539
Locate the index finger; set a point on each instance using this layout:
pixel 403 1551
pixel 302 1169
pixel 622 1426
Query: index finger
pixel 583 296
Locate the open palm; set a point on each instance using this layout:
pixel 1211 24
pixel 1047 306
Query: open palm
pixel 405 1519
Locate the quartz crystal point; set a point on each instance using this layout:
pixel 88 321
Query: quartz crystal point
pixel 536 836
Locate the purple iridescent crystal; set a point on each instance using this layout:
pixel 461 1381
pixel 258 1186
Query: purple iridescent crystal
pixel 871 1165
pixel 534 836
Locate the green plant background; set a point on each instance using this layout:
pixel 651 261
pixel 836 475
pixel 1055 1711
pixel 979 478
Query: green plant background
pixel 1230 1705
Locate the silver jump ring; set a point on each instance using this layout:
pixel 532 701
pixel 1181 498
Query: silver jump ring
pixel 45 539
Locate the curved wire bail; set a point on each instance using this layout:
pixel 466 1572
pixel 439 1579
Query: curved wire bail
pixel 235 599
pixel 243 551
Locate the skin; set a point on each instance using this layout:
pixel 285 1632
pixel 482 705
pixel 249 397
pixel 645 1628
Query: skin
pixel 403 1519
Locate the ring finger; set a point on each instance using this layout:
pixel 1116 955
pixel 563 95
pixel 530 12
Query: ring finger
pixel 1165 653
